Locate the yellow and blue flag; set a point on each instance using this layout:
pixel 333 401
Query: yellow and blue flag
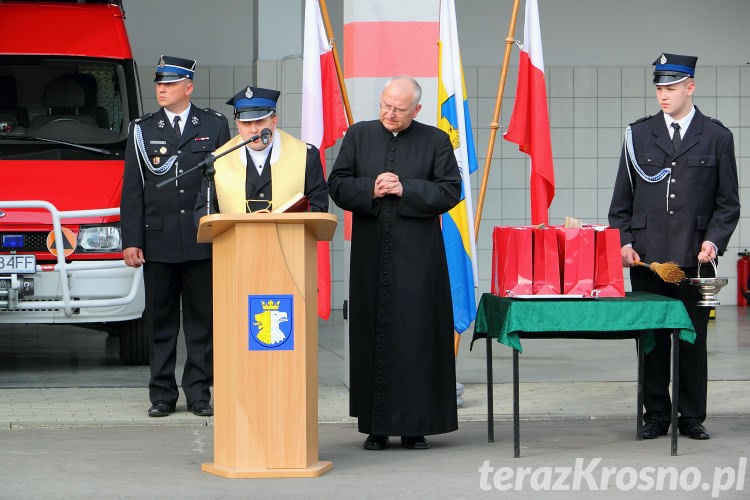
pixel 458 223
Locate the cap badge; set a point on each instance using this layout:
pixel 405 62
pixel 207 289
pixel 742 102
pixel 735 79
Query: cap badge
pixel 249 93
pixel 161 62
pixel 163 150
pixel 663 59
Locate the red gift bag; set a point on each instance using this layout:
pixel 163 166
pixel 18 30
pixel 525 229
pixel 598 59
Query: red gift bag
pixel 576 259
pixel 511 261
pixel 546 262
pixel 608 277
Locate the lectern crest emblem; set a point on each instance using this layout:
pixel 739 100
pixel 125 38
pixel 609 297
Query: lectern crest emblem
pixel 271 322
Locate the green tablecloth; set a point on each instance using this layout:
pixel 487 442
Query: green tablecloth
pixel 622 317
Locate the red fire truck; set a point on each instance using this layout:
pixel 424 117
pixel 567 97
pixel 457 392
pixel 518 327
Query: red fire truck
pixel 68 89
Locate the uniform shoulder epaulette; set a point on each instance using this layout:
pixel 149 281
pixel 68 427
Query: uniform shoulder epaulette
pixel 639 120
pixel 213 112
pixel 716 121
pixel 144 117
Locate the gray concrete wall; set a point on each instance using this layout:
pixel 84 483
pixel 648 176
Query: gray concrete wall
pixel 611 32
pixel 597 52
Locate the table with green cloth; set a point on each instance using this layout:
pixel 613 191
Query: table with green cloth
pixel 639 315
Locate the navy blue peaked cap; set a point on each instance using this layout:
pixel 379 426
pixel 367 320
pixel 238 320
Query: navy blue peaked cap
pixel 174 69
pixel 673 68
pixel 254 103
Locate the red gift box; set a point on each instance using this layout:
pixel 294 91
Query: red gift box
pixel 546 265
pixel 511 261
pixel 608 276
pixel 576 259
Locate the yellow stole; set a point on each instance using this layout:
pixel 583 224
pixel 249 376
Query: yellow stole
pixel 288 162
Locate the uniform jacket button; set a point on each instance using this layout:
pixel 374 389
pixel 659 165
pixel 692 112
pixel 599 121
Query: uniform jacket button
pixel 674 163
pixel 672 195
pixel 182 211
pixel 261 195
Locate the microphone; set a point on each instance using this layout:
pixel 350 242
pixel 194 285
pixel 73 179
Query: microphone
pixel 208 161
pixel 265 136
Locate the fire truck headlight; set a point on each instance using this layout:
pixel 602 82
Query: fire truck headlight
pixel 99 239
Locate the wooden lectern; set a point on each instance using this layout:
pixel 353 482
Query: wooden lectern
pixel 266 375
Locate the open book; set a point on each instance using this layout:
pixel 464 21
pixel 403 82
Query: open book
pixel 297 203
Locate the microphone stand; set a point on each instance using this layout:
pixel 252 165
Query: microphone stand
pixel 208 166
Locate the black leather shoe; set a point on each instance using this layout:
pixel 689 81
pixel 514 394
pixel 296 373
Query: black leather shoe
pixel 376 442
pixel 652 429
pixel 201 408
pixel 414 443
pixel 160 409
pixel 694 430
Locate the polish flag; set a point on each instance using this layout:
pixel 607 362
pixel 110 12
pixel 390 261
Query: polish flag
pixel 323 120
pixel 529 123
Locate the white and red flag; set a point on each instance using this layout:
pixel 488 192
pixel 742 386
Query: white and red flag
pixel 529 123
pixel 323 119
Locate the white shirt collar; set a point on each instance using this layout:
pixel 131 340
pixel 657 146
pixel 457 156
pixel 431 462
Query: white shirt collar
pixel 684 122
pixel 183 117
pixel 259 158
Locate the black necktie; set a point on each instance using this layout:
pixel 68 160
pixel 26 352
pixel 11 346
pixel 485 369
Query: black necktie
pixel 177 127
pixel 676 139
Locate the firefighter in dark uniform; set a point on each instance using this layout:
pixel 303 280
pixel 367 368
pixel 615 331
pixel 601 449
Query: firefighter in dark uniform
pixel 675 199
pixel 268 172
pixel 158 231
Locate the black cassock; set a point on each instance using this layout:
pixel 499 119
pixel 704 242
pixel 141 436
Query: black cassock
pixel 403 376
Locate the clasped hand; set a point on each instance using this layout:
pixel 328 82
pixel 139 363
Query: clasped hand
pixel 387 183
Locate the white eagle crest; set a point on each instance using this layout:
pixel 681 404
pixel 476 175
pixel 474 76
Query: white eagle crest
pixel 268 323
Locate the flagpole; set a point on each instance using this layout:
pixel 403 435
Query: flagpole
pixel 336 61
pixel 493 131
pixel 495 117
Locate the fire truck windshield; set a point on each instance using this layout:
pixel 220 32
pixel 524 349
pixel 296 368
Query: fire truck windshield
pixel 56 99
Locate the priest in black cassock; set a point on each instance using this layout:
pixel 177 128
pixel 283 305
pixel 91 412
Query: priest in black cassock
pixel 397 176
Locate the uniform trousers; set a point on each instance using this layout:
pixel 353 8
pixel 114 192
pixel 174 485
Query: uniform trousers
pixel 166 284
pixel 693 362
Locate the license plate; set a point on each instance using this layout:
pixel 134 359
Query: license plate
pixel 17 264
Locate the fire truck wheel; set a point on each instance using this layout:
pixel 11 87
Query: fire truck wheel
pixel 133 342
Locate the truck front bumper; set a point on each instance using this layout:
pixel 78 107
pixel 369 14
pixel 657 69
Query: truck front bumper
pixel 82 292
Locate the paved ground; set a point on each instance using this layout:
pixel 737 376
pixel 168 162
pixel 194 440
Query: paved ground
pixel 73 424
pixel 126 406
pixel 164 462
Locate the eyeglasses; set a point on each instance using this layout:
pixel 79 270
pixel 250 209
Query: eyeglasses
pixel 393 109
pixel 260 211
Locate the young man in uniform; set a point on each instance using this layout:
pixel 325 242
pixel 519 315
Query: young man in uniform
pixel 675 199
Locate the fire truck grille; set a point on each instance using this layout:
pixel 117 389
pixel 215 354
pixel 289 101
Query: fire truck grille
pixel 32 242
